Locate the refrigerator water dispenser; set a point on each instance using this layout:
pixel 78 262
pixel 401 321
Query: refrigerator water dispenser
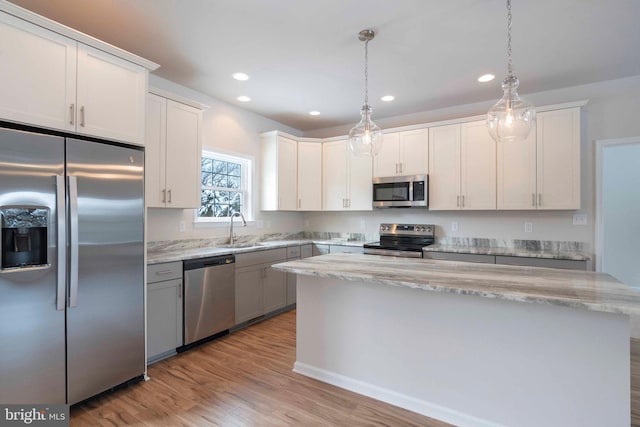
pixel 24 237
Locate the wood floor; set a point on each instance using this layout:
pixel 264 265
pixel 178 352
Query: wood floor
pixel 246 379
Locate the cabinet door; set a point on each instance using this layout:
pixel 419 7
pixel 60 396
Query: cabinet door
pixel 274 289
pixel 164 317
pixel 309 176
pixel 386 163
pixel 360 191
pixel 111 94
pixel 248 293
pixel 516 174
pixel 334 175
pixel 414 152
pixel 444 167
pixel 155 151
pixel 183 155
pixel 478 167
pixel 37 75
pixel 558 159
pixel 287 171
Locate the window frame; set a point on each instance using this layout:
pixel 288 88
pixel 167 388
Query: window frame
pixel 246 181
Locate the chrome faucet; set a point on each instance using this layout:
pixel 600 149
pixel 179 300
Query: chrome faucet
pixel 244 224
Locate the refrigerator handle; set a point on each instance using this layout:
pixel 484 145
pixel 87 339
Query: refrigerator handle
pixel 62 243
pixel 73 233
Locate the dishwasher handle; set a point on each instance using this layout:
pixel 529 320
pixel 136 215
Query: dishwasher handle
pixel 208 262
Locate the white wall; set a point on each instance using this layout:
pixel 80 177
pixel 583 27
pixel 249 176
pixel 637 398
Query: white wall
pixel 233 130
pixel 610 113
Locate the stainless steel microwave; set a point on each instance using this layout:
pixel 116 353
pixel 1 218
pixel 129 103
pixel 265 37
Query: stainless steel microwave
pixel 401 191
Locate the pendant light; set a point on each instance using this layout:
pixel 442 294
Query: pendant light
pixel 511 118
pixel 365 139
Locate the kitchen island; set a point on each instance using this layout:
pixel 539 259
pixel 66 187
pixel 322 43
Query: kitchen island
pixel 469 344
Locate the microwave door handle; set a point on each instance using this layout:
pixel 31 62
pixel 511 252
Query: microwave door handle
pixel 61 285
pixel 410 189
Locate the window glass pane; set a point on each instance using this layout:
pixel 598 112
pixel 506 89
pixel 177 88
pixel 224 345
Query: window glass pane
pixel 233 182
pixel 206 203
pixel 234 169
pixel 220 167
pixel 207 164
pixel 219 180
pixel 235 201
pixel 206 179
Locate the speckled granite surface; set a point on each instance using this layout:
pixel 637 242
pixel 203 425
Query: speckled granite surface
pixel 522 248
pixel 569 288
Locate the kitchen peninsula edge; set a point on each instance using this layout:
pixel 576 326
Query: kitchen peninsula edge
pixel 470 344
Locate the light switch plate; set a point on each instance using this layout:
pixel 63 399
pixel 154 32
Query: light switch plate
pixel 580 219
pixel 528 227
pixel 454 226
pixel 182 226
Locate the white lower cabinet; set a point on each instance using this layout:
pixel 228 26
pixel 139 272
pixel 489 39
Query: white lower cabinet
pixel 164 310
pixel 259 288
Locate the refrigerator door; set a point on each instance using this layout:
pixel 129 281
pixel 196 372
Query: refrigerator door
pixel 105 317
pixel 32 300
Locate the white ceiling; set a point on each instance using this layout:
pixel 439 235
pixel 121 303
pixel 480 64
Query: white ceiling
pixel 304 55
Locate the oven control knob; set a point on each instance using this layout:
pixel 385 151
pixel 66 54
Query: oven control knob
pixel 428 230
pixel 422 229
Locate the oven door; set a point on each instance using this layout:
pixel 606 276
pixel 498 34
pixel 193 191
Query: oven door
pixel 400 191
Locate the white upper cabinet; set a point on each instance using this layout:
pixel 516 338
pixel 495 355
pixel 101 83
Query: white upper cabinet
pixel 309 176
pixel 347 179
pixel 542 172
pixel 50 80
pixel 279 168
pixel 173 153
pixel 110 100
pixel 403 153
pixel 462 166
pixel 558 159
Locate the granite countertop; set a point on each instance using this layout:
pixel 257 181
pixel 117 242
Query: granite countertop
pixel 517 252
pixel 178 251
pixel 569 288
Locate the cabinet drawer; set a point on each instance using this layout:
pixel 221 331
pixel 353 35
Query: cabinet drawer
pixel 306 251
pixel 568 264
pixel 261 257
pixel 449 256
pixel 165 271
pixel 293 252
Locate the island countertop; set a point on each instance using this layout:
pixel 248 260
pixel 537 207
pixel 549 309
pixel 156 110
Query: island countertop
pixel 569 288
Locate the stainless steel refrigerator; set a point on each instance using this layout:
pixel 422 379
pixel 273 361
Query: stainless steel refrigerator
pixel 71 275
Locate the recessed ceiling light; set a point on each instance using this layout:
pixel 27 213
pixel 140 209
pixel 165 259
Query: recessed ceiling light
pixel 314 113
pixel 240 76
pixel 388 98
pixel 244 98
pixel 486 78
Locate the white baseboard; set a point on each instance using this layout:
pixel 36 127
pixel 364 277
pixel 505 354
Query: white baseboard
pixel 394 398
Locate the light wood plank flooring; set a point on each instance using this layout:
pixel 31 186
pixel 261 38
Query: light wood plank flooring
pixel 246 379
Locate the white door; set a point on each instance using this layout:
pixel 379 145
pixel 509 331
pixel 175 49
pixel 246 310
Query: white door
pixel 155 151
pixel 444 167
pixel 309 176
pixel 111 94
pixel 287 174
pixel 516 174
pixel 183 156
pixel 558 159
pixel 386 162
pixel 334 175
pixel 478 167
pixel 360 191
pixel 414 152
pixel 37 75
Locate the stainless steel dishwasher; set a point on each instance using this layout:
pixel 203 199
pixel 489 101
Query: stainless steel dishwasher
pixel 209 296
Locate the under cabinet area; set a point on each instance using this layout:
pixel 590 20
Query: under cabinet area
pixel 53 81
pixel 173 153
pixel 403 153
pixel 259 288
pixel 164 310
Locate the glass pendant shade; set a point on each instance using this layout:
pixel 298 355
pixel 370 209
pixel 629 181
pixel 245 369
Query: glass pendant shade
pixel 365 138
pixel 512 117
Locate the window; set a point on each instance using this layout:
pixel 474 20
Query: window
pixel 225 186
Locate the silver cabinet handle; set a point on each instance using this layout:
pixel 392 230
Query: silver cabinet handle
pixel 163 272
pixel 396 168
pixel 400 168
pixel 539 199
pixel 463 201
pixel 299 203
pixel 458 201
pixel 348 203
pixel 61 286
pixel 164 196
pixel 72 113
pixel 82 116
pixel 180 291
pixel 73 225
pixel 169 201
pixel 533 199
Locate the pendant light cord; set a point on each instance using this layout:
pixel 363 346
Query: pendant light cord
pixel 509 63
pixel 366 72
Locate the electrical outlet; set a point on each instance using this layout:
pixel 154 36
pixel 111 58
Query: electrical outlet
pixel 363 224
pixel 580 219
pixel 454 226
pixel 182 226
pixel 528 227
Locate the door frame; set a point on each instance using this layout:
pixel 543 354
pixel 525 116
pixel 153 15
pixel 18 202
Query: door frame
pixel 601 145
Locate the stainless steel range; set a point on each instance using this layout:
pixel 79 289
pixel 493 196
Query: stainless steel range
pixel 402 240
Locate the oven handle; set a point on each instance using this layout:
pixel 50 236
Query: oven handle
pixel 387 252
